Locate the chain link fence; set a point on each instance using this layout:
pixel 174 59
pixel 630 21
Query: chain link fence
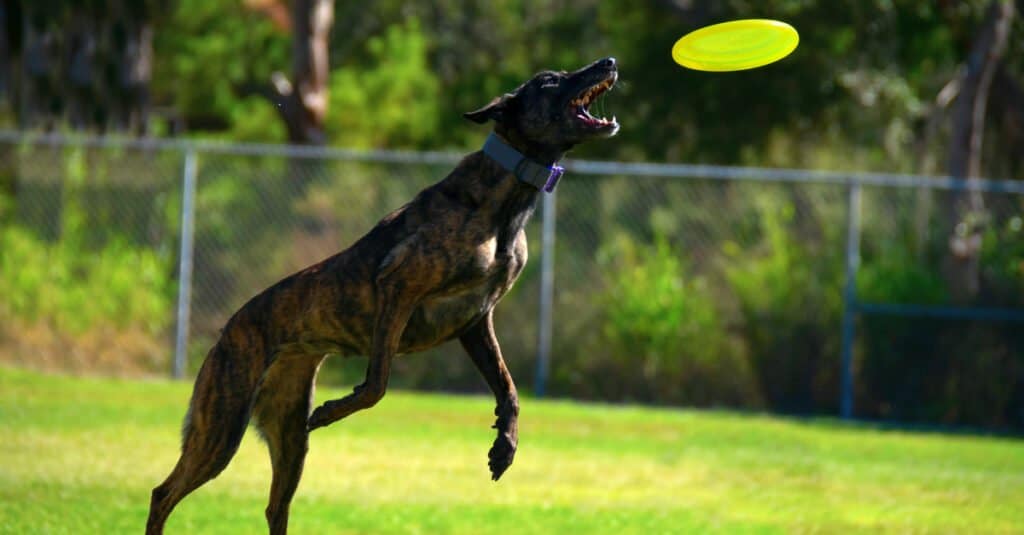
pixel 767 289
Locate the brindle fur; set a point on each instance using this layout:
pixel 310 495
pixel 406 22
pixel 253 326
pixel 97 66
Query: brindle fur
pixel 431 271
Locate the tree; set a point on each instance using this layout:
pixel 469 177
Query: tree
pixel 85 63
pixel 965 149
pixel 302 101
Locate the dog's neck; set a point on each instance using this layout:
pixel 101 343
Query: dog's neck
pixel 546 155
pixel 526 170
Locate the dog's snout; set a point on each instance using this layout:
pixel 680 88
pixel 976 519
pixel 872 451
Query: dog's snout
pixel 607 63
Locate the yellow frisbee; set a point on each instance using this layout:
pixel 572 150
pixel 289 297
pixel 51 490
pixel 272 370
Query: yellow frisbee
pixel 735 45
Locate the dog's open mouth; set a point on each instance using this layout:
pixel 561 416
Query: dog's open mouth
pixel 580 106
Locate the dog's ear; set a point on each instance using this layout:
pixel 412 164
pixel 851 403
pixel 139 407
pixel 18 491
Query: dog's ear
pixel 495 111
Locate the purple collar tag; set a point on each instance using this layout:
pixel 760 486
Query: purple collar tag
pixel 556 172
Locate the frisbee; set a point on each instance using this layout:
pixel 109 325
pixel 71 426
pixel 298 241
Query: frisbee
pixel 735 45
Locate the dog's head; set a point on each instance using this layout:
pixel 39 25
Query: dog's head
pixel 552 108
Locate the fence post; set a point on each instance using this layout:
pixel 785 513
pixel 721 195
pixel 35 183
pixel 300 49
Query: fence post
pixel 547 283
pixel 188 196
pixel 850 299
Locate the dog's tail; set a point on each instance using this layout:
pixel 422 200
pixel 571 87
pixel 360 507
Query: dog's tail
pixel 221 402
pixel 217 417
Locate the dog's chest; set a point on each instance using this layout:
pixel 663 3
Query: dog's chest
pixel 478 286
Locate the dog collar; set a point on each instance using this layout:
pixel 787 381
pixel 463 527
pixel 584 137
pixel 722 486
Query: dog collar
pixel 525 169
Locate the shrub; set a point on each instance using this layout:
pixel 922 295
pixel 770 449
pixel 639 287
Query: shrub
pixel 80 283
pixel 77 290
pixel 393 103
pixel 954 371
pixel 664 332
pixel 788 290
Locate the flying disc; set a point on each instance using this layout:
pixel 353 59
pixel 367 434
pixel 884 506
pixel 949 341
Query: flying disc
pixel 735 45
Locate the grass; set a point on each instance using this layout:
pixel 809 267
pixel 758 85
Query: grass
pixel 80 455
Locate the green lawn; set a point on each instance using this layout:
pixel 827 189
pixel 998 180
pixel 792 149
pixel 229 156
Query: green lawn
pixel 81 455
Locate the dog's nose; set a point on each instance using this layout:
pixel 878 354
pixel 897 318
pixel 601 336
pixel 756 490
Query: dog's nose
pixel 607 63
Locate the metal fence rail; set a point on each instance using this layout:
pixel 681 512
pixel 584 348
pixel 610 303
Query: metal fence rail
pixel 242 215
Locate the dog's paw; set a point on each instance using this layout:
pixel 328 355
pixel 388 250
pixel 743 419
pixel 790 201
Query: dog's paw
pixel 501 454
pixel 319 418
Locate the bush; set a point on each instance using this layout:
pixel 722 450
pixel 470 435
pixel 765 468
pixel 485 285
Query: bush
pixel 1002 258
pixel 789 294
pixel 86 279
pixel 926 369
pixel 664 338
pixel 76 290
pixel 393 103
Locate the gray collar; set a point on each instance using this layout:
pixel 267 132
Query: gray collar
pixel 525 169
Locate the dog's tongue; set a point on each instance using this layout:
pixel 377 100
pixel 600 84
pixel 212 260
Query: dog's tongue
pixel 590 120
pixel 581 114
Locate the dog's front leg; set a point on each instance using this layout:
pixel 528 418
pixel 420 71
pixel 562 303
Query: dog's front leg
pixel 397 296
pixel 391 320
pixel 482 345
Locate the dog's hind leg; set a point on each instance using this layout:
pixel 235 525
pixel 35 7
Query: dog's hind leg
pixel 482 345
pixel 281 409
pixel 214 426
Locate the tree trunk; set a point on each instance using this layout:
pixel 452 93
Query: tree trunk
pixel 925 158
pixel 302 102
pixel 967 209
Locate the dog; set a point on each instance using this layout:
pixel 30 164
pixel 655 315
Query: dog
pixel 431 271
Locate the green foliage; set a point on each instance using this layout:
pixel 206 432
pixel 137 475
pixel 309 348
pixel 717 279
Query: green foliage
pixel 788 291
pixel 254 119
pixel 656 311
pixel 84 277
pixel 209 54
pixel 854 95
pixel 78 289
pixel 395 101
pixel 663 328
pixel 935 369
pixel 784 273
pixel 1002 253
pixel 898 278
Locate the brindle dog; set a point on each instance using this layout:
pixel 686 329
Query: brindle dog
pixel 429 272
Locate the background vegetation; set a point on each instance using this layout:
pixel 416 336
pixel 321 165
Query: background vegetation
pixel 664 300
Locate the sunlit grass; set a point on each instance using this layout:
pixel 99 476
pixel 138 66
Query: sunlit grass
pixel 81 455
